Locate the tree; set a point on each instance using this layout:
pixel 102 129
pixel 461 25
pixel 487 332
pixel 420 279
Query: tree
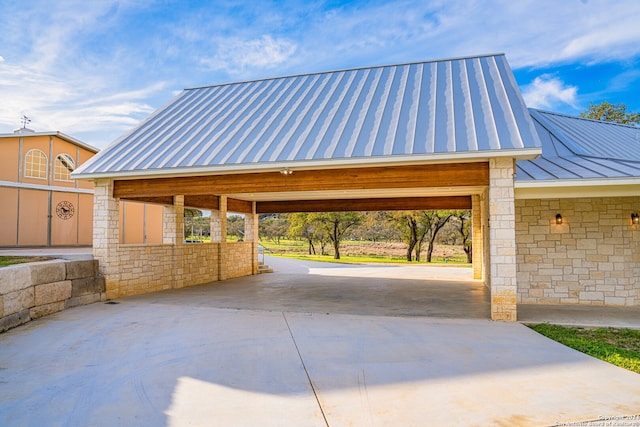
pixel 463 225
pixel 235 226
pixel 273 227
pixel 194 223
pixel 336 225
pixel 407 224
pixel 432 222
pixel 376 227
pixel 607 112
pixel 304 225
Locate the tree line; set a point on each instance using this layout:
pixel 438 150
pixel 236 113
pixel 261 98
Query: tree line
pixel 419 230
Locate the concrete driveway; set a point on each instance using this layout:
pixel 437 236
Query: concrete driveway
pixel 180 358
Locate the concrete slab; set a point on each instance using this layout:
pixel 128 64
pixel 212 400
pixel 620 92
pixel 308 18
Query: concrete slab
pixel 145 365
pixel 397 371
pixel 263 351
pixel 315 287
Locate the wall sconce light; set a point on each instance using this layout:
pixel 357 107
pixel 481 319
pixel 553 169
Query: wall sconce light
pixel 635 218
pixel 558 219
pixel 286 171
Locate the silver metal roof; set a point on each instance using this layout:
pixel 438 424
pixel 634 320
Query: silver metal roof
pixel 400 113
pixel 574 148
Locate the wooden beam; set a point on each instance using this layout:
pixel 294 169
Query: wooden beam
pixel 239 206
pixel 202 202
pixel 160 200
pixel 438 175
pixel 362 205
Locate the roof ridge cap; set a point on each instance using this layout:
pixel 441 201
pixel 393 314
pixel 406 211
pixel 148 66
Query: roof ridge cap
pixel 569 116
pixel 342 70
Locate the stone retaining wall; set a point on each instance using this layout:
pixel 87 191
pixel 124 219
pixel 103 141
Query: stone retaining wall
pixel 592 258
pixel 29 291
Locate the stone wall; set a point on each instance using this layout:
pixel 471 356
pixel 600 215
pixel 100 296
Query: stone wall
pixel 593 257
pixel 29 291
pixel 150 268
pixel 238 260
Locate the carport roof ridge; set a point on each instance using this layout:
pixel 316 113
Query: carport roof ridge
pixel 461 109
pixel 581 150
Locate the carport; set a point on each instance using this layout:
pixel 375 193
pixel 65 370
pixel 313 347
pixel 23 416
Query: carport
pixel 431 135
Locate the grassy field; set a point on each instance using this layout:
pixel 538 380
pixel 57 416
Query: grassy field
pixel 363 252
pixel 620 347
pixel 11 260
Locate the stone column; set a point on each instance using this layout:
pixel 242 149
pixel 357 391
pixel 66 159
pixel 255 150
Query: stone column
pixel 486 243
pixel 218 222
pixel 219 232
pixel 106 235
pixel 476 237
pixel 251 235
pixel 173 222
pixel 502 237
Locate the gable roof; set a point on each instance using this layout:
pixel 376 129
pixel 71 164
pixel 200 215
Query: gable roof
pixel 578 151
pixel 467 108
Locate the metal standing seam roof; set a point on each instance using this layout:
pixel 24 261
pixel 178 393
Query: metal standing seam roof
pixel 575 148
pixel 411 112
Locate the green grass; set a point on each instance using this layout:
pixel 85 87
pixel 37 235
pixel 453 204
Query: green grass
pixel 298 249
pixel 12 260
pixel 356 259
pixel 620 347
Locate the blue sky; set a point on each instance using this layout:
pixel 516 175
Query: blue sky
pixel 94 68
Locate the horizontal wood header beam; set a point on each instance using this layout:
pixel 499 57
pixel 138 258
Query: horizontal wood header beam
pixel 362 205
pixel 160 200
pixel 202 202
pixel 239 206
pixel 438 175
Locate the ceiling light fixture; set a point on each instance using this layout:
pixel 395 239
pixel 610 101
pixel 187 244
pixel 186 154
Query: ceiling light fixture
pixel 286 171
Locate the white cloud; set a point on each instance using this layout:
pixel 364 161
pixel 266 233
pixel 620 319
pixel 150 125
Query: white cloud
pixel 237 56
pixel 547 91
pixel 531 32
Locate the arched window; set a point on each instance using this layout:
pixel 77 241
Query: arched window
pixel 35 164
pixel 63 167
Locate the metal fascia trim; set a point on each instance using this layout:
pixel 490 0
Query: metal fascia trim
pixel 523 154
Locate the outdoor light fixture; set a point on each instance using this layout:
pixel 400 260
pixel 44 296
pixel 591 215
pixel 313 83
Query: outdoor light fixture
pixel 558 219
pixel 286 171
pixel 635 219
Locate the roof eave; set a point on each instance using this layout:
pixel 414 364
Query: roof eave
pixel 576 188
pixel 470 157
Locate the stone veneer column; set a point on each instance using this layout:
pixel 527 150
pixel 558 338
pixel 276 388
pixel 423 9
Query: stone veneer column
pixel 219 228
pixel 173 234
pixel 502 237
pixel 476 237
pixel 173 222
pixel 106 235
pixel 251 235
pixel 218 222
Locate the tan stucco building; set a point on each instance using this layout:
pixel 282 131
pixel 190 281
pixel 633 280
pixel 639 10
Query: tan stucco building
pixel 43 206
